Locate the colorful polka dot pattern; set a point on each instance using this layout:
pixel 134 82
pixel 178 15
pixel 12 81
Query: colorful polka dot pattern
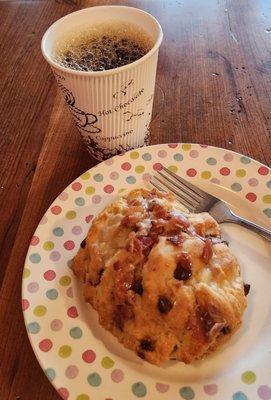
pixel 53 316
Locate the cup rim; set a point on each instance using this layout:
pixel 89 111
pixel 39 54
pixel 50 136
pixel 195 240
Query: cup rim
pixel 108 71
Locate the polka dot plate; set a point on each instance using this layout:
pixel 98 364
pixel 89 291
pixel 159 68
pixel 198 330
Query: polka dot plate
pixel 81 359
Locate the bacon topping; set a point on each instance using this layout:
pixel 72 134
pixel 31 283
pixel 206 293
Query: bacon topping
pixel 207 251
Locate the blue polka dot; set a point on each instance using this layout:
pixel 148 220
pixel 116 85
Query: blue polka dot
pixel 245 160
pixel 35 258
pixel 139 389
pixel 211 161
pixel 236 187
pixel 131 179
pixel 268 184
pixel 239 396
pixel 80 201
pixel 76 332
pixel 94 379
pixel 267 212
pixel 187 393
pixel 98 177
pixel 178 157
pixel 50 373
pixel 33 327
pixel 58 231
pixel 146 156
pixel 52 294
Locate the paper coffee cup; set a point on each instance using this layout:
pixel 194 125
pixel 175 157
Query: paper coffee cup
pixel 112 108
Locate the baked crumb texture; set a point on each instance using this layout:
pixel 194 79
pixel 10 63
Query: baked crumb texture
pixel 161 279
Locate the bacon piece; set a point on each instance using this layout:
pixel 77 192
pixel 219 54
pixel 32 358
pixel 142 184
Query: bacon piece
pixel 184 260
pixel 177 240
pixel 141 245
pixel 130 221
pixel 159 211
pixel 123 280
pixel 178 223
pixel 207 251
pixel 158 227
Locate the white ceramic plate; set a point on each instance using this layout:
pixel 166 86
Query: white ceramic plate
pixel 81 359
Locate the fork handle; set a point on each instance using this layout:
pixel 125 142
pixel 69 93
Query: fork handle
pixel 265 233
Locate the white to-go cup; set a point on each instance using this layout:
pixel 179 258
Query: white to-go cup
pixel 111 108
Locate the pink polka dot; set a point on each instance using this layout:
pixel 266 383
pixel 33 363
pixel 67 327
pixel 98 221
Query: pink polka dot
pixel 264 392
pixel 109 189
pixel 34 241
pixel 161 387
pixel 56 210
pixel 210 389
pixel 56 325
pixel 89 356
pixel 157 166
pixel 55 256
pixel 49 275
pixel 88 218
pixel 253 182
pixel 263 170
pixel 44 220
pixel 162 153
pixel 126 166
pixel 228 157
pixel 96 199
pixel 77 230
pixel 71 372
pixel 215 180
pixel 45 345
pixel 69 292
pixel 114 175
pixel 63 196
pixel 146 177
pixel 76 186
pixel 251 197
pixel 173 145
pixel 191 172
pixel 225 171
pixel 69 245
pixel 64 393
pixel 25 304
pixel 72 312
pixel 109 161
pixel 117 375
pixel 194 153
pixel 33 287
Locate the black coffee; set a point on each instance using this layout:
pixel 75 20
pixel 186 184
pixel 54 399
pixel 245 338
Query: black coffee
pixel 103 47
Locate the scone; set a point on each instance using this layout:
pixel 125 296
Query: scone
pixel 161 279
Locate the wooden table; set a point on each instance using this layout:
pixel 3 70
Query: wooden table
pixel 213 87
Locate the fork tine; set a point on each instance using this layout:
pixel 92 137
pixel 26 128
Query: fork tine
pixel 157 186
pixel 182 187
pixel 189 185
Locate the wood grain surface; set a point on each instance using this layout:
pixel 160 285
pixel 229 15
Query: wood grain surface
pixel 213 87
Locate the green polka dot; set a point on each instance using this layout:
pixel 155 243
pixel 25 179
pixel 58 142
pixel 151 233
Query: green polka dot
pixel 80 201
pixel 248 377
pixel 187 393
pixel 76 332
pixel 52 294
pixel 65 280
pixel 146 156
pixel 211 161
pixel 134 155
pixel 240 173
pixel 58 231
pixel 107 362
pixel 64 351
pixel 85 176
pixel 245 160
pixel 186 147
pixel 268 184
pixel 236 187
pixel 40 311
pixel 70 214
pixel 267 198
pixel 139 389
pixel 33 327
pixel 267 212
pixel 173 168
pixel 178 157
pixel 82 397
pixel 50 373
pixel 139 169
pixel 98 177
pixel 206 174
pixel 26 273
pixel 35 258
pixel 94 379
pixel 131 179
pixel 48 246
pixel 90 190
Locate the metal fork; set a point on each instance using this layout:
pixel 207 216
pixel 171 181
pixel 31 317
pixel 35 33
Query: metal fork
pixel 197 200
